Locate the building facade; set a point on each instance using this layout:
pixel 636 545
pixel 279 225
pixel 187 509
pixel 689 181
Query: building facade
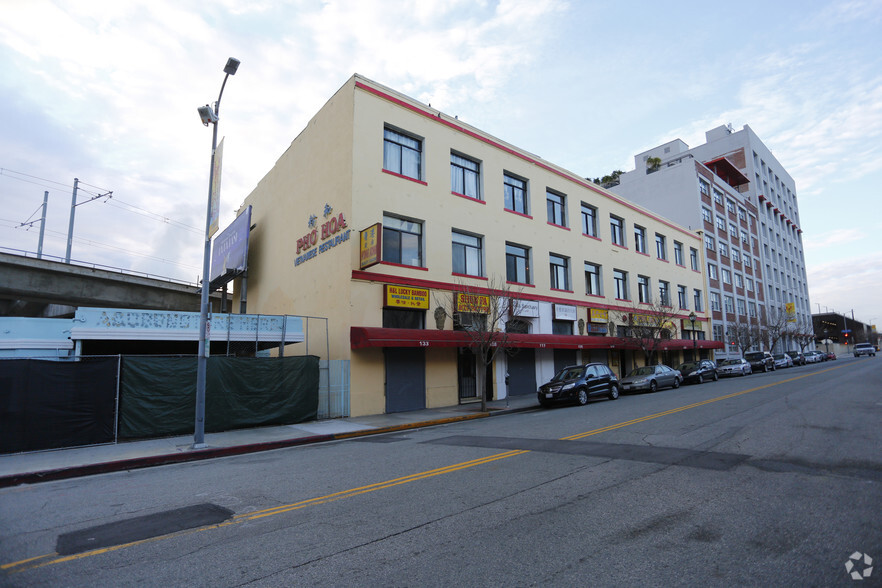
pixel 742 199
pixel 840 332
pixel 383 212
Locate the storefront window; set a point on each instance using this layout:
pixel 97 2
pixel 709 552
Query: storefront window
pixel 469 321
pixel 562 327
pixel 399 318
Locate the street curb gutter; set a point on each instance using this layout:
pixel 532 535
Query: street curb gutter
pixel 210 453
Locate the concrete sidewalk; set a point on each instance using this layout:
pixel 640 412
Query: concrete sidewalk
pixel 59 464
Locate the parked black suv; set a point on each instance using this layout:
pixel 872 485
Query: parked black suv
pixel 699 371
pixel 760 361
pixel 576 383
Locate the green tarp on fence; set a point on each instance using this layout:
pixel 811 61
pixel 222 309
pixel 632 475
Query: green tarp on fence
pixel 158 394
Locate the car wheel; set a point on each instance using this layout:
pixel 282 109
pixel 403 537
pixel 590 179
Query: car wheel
pixel 700 379
pixel 676 383
pixel 716 376
pixel 583 396
pixel 653 386
pixel 613 392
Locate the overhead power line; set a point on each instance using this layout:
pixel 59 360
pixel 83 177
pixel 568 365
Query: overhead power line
pixel 100 245
pixel 99 193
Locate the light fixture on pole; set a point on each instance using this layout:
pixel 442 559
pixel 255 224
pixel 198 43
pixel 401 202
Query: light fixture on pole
pixel 209 116
pixel 692 318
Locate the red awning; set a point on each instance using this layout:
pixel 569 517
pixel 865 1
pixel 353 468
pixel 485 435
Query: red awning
pixel 362 337
pixel 677 344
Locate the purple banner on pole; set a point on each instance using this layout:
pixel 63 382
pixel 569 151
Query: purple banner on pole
pixel 229 255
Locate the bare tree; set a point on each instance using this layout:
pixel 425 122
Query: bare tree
pixel 482 313
pixel 774 324
pixel 803 334
pixel 745 333
pixel 647 325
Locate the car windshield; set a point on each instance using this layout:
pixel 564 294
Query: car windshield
pixel 756 355
pixel 643 371
pixel 570 373
pixel 730 362
pixel 778 356
pixel 689 365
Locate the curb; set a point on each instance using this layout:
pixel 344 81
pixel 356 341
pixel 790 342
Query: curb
pixel 211 453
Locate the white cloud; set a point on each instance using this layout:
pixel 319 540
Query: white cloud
pixel 849 284
pixel 838 237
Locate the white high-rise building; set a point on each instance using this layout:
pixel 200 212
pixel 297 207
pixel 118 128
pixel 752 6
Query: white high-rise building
pixel 735 192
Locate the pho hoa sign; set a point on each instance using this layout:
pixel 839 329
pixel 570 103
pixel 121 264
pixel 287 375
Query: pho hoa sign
pixel 321 239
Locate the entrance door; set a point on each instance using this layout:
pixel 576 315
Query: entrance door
pixel 624 363
pixel 522 372
pixel 405 379
pixel 564 358
pixel 467 376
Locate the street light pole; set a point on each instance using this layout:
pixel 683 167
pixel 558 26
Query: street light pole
pixel 208 116
pixel 694 338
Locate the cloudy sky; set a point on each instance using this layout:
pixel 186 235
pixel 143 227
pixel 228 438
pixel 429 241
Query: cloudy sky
pixel 106 91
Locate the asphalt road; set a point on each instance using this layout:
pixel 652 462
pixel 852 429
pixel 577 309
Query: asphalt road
pixel 770 479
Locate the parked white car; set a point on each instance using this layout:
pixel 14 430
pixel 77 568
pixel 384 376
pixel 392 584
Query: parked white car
pixel 782 360
pixel 734 367
pixel 864 349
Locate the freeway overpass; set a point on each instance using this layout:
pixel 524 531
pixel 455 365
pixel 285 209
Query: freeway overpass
pixel 44 288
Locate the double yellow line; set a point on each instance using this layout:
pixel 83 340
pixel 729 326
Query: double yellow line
pixel 54 558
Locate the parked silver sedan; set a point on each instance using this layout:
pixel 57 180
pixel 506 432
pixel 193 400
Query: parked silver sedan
pixel 782 360
pixel 734 367
pixel 651 377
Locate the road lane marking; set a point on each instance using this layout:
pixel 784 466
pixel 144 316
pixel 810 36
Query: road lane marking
pixel 47 559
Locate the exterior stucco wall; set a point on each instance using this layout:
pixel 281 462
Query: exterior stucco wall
pixel 338 160
pixel 315 170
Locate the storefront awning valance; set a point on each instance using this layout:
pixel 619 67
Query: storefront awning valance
pixel 683 344
pixel 362 337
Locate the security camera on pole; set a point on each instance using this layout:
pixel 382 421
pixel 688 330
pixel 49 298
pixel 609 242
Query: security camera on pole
pixel 209 117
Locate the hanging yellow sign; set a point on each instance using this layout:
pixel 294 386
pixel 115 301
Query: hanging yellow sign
pixel 369 246
pixel 406 297
pixel 472 303
pixel 598 315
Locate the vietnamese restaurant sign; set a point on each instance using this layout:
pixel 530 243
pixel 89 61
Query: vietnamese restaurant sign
pixel 318 240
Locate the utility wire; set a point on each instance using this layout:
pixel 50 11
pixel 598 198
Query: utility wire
pixel 100 245
pixel 28 221
pixel 143 212
pixel 7 171
pixel 152 215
